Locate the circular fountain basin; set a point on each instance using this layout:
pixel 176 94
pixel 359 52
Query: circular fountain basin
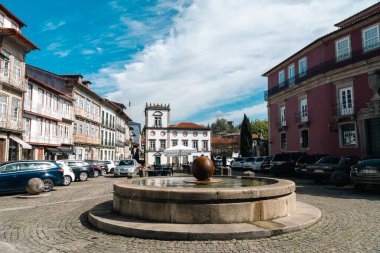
pixel 236 200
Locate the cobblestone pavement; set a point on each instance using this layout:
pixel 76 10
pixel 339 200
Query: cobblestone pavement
pixel 58 223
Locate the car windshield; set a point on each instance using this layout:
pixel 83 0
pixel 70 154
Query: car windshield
pixel 259 159
pixel 268 158
pixel 107 162
pixel 370 162
pixel 250 159
pixel 329 160
pixel 126 162
pixel 281 157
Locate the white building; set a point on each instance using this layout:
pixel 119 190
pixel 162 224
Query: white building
pixel 48 116
pixel 159 135
pixel 13 48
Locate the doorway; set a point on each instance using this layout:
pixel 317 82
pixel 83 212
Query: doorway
pixel 373 133
pixel 157 160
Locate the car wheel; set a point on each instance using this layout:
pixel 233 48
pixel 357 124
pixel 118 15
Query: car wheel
pixel 96 173
pixel 67 180
pixel 48 184
pixel 83 176
pixel 103 172
pixel 111 171
pixel 339 178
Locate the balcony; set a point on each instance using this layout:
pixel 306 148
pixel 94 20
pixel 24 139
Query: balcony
pixel 120 128
pixel 42 110
pixel 86 139
pixel 120 143
pixel 31 137
pixel 86 115
pixel 8 122
pixel 8 78
pixel 329 65
pixel 107 143
pixel 67 140
pixel 341 111
pixel 281 124
pixel 68 116
pixel 302 118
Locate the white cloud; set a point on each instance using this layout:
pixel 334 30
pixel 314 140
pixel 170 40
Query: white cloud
pixel 217 51
pixel 62 53
pixel 49 26
pixel 87 51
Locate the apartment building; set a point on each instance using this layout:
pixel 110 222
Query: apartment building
pixel 325 98
pixel 160 134
pixel 48 116
pixel 13 49
pixel 87 120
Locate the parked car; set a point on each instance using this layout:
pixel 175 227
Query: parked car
pixel 284 163
pixel 366 172
pixel 335 168
pixel 265 164
pixel 81 169
pixel 304 160
pixel 102 167
pixel 127 168
pixel 258 162
pixel 237 164
pixel 67 173
pixel 14 176
pixel 249 163
pixel 110 165
pixel 218 162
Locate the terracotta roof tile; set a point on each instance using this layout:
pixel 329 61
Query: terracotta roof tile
pixel 189 125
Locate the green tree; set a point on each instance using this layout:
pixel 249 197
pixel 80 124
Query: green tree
pixel 260 125
pixel 222 126
pixel 245 137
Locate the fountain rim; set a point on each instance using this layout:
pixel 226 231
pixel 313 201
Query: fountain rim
pixel 281 187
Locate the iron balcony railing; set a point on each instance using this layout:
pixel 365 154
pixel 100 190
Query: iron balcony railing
pixel 343 110
pixel 9 122
pixel 120 128
pixel 302 118
pixel 9 77
pixel 120 143
pixel 332 64
pixel 280 123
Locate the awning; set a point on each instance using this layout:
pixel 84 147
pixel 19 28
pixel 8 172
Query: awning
pixel 66 150
pixel 54 151
pixel 21 142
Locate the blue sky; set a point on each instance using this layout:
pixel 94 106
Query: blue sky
pixel 204 57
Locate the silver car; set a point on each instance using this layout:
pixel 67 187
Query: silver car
pixel 127 168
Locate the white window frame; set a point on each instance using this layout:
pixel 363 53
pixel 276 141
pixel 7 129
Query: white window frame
pixel 283 147
pixel 301 74
pixel 339 56
pixel 346 107
pixel 303 110
pixel 341 137
pixel 282 115
pixel 291 77
pixel 281 78
pixel 369 48
pixel 2 18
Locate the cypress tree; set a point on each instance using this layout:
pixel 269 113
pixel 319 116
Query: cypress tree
pixel 245 138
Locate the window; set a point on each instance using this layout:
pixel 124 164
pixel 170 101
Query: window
pixel 185 143
pixel 291 74
pixel 47 128
pixel 88 103
pixel 371 38
pixel 1 20
pixel 5 65
pixel 305 138
pixel 87 130
pixel 302 67
pixel 15 108
pixel 27 125
pixel 80 129
pixel 17 71
pixel 3 104
pixel 281 78
pixel 205 145
pixel 343 49
pixel 195 145
pixel 102 136
pixel 48 100
pixel 41 96
pixel 55 103
pixel 162 144
pixel 282 116
pixel 75 128
pixel 103 120
pixel 152 144
pixel 346 106
pixel 39 124
pixel 157 121
pixel 283 141
pixel 303 110
pixel 348 134
pixel 175 143
pixel 80 154
pixel 54 129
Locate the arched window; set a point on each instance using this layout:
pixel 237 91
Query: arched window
pixel 157 119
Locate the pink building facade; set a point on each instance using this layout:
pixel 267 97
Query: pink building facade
pixel 325 98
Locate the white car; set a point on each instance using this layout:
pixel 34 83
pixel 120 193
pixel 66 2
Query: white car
pixel 258 162
pixel 249 164
pixel 68 173
pixel 110 166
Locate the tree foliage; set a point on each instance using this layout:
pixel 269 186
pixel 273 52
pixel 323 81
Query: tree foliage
pixel 222 126
pixel 260 125
pixel 245 137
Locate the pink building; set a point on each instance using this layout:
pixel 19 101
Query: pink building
pixel 325 97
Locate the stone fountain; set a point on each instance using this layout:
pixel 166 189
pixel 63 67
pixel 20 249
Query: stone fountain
pixel 223 208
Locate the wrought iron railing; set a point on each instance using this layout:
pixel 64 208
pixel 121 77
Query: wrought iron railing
pixel 302 118
pixel 343 109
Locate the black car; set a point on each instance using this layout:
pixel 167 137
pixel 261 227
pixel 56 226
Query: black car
pixel 284 163
pixel 334 168
pixel 101 167
pixel 265 165
pixel 81 169
pixel 366 172
pixel 303 161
